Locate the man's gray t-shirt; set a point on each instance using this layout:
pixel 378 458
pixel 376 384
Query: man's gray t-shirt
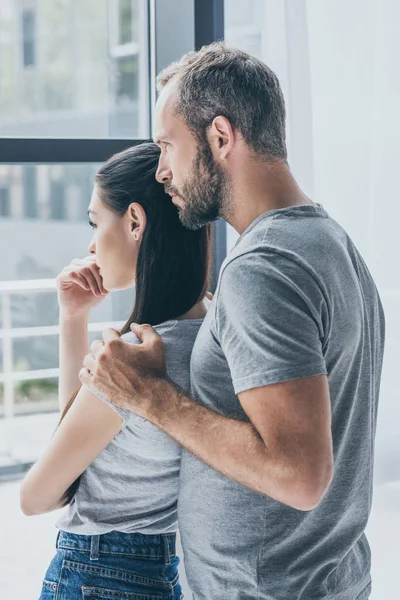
pixel 132 486
pixel 294 299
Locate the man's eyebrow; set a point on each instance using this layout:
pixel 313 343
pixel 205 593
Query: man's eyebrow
pixel 161 139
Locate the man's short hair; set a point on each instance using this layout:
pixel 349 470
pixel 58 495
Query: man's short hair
pixel 219 80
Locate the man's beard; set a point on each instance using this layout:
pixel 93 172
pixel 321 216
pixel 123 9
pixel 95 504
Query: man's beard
pixel 206 192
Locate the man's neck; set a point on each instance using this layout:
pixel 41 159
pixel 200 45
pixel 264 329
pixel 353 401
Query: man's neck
pixel 262 187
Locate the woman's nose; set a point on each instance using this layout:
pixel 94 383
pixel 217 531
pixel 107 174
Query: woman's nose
pixel 92 247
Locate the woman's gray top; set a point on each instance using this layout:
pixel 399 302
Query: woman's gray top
pixel 132 486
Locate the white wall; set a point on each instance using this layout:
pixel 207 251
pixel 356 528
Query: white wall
pixel 338 64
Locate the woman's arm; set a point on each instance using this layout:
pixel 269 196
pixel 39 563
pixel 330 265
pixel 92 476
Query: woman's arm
pixel 79 289
pixel 73 346
pixel 86 430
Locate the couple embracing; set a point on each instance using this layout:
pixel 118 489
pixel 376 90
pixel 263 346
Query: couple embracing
pixel 248 418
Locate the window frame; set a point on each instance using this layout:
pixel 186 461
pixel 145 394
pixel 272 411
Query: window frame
pixel 208 26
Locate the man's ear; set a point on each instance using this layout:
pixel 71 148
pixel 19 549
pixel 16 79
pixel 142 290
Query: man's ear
pixel 137 220
pixel 221 137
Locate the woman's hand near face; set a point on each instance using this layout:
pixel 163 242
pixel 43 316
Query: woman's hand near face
pixel 80 287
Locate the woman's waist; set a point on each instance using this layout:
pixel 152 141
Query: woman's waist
pixel 88 519
pixel 126 496
pixel 148 546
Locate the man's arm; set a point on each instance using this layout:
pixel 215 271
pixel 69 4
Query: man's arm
pixel 270 319
pixel 285 452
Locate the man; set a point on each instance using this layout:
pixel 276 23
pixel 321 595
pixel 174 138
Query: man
pixel 276 482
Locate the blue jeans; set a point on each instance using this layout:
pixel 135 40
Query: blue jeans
pixel 113 566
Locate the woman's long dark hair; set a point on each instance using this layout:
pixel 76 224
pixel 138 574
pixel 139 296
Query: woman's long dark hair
pixel 173 264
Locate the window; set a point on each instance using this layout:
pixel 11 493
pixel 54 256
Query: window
pixel 4 202
pixel 128 21
pixel 46 192
pixel 246 29
pixel 125 21
pixel 5 184
pixel 57 200
pixel 128 95
pixel 89 95
pixel 29 37
pixel 126 84
pixel 29 185
pixel 90 69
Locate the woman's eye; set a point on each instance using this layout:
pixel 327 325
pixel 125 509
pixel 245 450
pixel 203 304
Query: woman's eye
pixel 92 225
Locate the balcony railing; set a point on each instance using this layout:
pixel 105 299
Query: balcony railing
pixel 9 377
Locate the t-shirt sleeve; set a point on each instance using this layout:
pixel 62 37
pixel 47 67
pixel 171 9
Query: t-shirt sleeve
pixel 271 319
pixel 123 412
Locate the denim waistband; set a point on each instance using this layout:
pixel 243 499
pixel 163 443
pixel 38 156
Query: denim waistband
pixel 161 546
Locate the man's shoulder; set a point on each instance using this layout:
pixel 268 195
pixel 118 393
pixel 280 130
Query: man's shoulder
pixel 288 240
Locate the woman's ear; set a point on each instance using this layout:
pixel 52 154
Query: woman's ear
pixel 137 220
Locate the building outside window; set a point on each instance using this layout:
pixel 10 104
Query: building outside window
pixel 29 184
pixel 90 77
pixel 29 37
pixel 4 202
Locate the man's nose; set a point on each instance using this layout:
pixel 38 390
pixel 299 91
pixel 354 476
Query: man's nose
pixel 163 173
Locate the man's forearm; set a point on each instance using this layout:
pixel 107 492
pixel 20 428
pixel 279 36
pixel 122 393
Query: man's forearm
pixel 231 447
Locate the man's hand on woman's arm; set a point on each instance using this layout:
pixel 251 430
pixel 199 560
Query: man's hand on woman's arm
pixel 285 452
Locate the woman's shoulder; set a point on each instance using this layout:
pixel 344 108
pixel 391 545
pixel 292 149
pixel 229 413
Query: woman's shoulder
pixel 172 329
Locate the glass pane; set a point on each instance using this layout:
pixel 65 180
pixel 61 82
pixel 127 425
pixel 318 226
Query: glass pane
pixel 129 16
pixel 28 37
pixel 45 192
pixel 126 81
pixel 243 28
pixel 45 226
pixel 235 16
pixel 70 69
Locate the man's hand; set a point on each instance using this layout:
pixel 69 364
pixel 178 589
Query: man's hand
pixel 129 375
pixel 284 451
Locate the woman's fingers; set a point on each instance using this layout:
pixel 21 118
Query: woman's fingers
pixel 92 281
pixel 78 279
pixel 95 270
pixel 85 280
pixel 89 270
pixel 90 263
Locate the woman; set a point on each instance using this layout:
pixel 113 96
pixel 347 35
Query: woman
pixel 118 472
